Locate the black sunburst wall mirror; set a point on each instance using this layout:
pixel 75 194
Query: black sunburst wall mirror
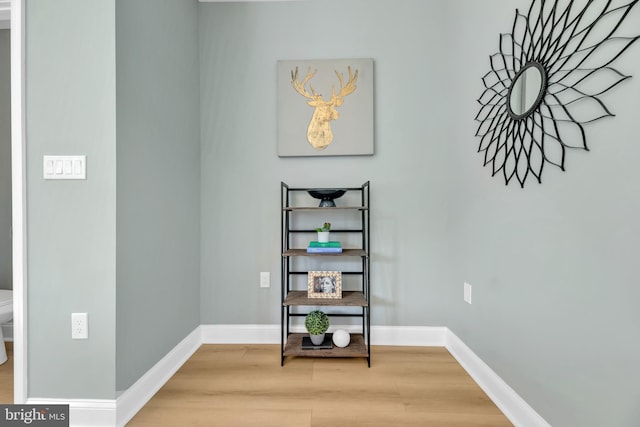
pixel 546 83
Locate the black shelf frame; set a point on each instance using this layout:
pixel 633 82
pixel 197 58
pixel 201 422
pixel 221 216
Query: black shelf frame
pixel 288 252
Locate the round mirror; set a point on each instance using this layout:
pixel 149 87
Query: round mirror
pixel 526 91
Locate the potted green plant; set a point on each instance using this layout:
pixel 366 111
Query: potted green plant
pixel 317 323
pixel 323 232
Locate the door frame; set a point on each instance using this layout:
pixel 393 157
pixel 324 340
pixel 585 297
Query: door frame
pixel 18 202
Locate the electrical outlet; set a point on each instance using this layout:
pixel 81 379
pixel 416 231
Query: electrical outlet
pixel 79 326
pixel 265 279
pixel 467 292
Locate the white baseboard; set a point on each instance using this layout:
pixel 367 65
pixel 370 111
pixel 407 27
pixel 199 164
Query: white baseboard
pixel 420 336
pixel 84 412
pixel 97 413
pixel 240 334
pixel 135 397
pixel 505 398
pixel 270 334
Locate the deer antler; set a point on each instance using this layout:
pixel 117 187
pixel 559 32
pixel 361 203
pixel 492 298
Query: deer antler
pixel 345 90
pixel 299 87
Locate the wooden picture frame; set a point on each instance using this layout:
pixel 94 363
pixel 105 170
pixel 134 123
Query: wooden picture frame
pixel 324 284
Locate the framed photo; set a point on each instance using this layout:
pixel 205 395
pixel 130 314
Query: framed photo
pixel 325 107
pixel 324 284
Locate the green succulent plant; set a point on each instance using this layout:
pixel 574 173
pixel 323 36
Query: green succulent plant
pixel 316 322
pixel 325 227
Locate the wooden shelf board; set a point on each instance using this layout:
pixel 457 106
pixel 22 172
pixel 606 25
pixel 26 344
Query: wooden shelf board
pixel 356 348
pixel 345 252
pixel 349 299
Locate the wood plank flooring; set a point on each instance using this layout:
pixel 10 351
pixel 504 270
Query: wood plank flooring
pixel 244 385
pixel 6 376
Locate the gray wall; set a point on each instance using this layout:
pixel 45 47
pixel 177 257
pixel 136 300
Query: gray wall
pixel 241 172
pixel 5 161
pixel 71 109
pixel 138 209
pixel 551 265
pixel 158 174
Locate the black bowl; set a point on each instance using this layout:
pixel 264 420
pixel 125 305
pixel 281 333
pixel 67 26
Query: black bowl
pixel 327 196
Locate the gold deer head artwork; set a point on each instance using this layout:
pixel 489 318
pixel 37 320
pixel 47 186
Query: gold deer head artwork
pixel 319 133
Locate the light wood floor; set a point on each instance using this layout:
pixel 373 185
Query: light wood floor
pixel 6 376
pixel 244 385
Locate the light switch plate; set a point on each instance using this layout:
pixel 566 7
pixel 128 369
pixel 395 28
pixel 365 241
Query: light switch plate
pixel 265 279
pixel 64 167
pixel 467 293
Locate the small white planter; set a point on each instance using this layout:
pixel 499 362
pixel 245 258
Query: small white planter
pixel 317 339
pixel 323 236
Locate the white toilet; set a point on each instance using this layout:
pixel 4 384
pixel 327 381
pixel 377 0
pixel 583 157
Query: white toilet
pixel 6 314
